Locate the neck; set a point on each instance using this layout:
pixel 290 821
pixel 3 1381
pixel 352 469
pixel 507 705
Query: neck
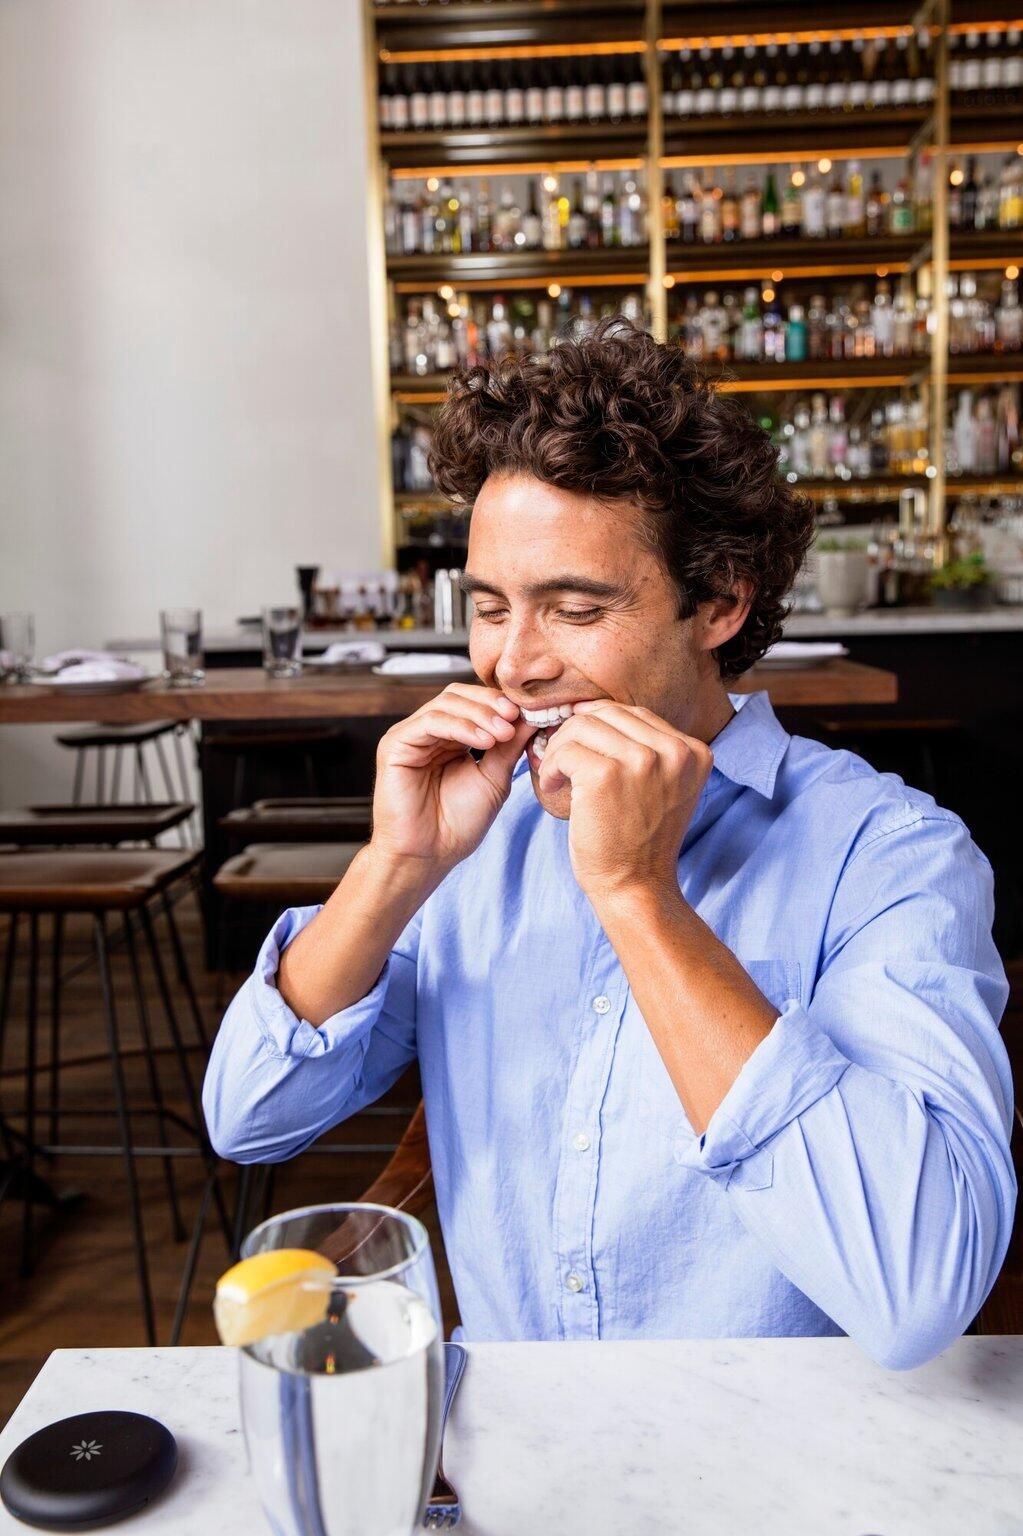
pixel 711 714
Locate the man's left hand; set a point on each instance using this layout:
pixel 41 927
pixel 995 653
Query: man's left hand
pixel 635 784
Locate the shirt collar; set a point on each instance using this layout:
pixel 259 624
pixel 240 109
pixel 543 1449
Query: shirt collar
pixel 748 750
pixel 751 746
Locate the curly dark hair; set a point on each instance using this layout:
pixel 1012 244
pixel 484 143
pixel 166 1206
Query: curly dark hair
pixel 622 417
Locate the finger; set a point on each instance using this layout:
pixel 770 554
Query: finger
pixel 574 763
pixel 632 720
pixel 638 757
pixel 436 726
pixel 498 763
pixel 479 712
pixel 492 696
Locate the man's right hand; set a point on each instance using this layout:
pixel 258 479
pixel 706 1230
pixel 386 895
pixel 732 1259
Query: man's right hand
pixel 433 801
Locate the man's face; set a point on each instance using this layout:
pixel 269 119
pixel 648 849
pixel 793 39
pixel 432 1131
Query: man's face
pixel 572 604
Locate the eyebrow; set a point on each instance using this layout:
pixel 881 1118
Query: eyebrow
pixel 587 585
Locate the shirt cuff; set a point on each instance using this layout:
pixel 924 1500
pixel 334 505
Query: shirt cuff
pixel 285 1035
pixel 788 1072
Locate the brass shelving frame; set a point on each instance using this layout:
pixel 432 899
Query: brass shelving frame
pixel 642 27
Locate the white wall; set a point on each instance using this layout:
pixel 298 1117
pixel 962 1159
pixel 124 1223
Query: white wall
pixel 185 412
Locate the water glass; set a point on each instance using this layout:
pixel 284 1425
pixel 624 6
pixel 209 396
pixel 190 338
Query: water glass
pixel 282 641
pixel 343 1420
pixel 181 634
pixel 17 645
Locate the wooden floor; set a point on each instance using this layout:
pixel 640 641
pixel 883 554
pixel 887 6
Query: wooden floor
pixel 84 1292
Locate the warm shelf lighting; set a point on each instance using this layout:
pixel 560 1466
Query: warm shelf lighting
pixel 882 271
pixel 761 39
pixel 768 295
pixel 550 183
pixel 554 290
pixel 446 292
pixel 669 281
pixel 798 178
pixel 505 51
pixel 432 183
pixel 777 157
pixel 824 165
pixel 956 176
pixel 777 277
pixel 514 168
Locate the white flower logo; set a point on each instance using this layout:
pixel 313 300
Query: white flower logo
pixel 85 1450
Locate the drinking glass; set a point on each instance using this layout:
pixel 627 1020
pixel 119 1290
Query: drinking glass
pixel 17 645
pixel 282 641
pixel 343 1420
pixel 181 634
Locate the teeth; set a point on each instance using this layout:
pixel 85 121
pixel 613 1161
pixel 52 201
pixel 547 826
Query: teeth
pixel 540 744
pixel 552 716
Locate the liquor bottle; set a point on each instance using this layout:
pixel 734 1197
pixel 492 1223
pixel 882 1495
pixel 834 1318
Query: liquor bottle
pixel 669 210
pixel 876 209
pixel 710 212
pixel 796 335
pixel 438 100
pixel 616 90
pixel 855 210
pixel 883 321
pixel 595 93
pixel 714 328
pixel 475 100
pixel 729 208
pixel 688 211
pixel 552 234
pixel 732 82
pixel 749 210
pixel 749 93
pixel 1009 319
pixel 575 97
pixel 592 210
pixel 816 325
pixel 636 93
pixel 814 207
pixel 514 95
pixel 419 101
pixel 818 440
pixel 771 95
pixel 751 329
pixel 900 209
pixel 774 333
pixel 705 96
pixel 493 98
pixel 609 234
pixel 534 98
pixel 532 223
pixel 577 222
pixel 836 206
pixel 791 208
pixel 968 196
pixel 683 84
pixel 554 94
pixel 813 96
pixel 769 212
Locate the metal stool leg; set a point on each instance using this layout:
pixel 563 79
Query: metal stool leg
pixel 186 788
pixel 115 786
pixel 168 785
pixel 191 1260
pixel 5 998
pixel 101 776
pixel 76 793
pixel 124 1124
pixel 147 793
pixel 184 975
pixel 31 1022
pixel 58 938
pixel 177 1224
pixel 183 1064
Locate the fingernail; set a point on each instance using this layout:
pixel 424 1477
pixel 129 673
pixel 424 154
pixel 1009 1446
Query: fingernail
pixel 483 735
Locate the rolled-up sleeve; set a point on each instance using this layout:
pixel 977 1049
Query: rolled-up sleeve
pixel 275 1082
pixel 865 1142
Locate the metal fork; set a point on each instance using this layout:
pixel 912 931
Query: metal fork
pixel 443 1510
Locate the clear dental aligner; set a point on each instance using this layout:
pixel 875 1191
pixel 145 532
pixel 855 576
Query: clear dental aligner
pixel 550 719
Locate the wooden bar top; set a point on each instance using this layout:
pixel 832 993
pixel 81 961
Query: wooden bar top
pixel 248 694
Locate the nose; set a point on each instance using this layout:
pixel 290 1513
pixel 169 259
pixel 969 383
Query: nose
pixel 525 656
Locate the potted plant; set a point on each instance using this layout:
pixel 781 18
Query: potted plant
pixel 842 565
pixel 962 584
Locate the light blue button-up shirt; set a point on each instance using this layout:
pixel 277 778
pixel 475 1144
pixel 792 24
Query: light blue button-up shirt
pixel 856 1177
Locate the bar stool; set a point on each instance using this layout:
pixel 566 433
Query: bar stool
pixel 105 826
pixel 906 746
pixel 336 818
pixel 278 748
pixel 133 739
pixel 102 885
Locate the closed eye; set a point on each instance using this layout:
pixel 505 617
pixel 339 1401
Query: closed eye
pixel 575 615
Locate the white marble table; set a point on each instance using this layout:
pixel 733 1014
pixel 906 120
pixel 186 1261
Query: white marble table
pixel 761 1437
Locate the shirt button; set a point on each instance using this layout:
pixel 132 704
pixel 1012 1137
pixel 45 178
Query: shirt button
pixel 573 1282
pixel 601 1004
pixel 581 1142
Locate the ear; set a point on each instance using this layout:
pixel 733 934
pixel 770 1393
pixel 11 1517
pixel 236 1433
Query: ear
pixel 722 617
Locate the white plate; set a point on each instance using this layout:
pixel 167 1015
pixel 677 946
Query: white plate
pixel 112 685
pixel 319 664
pixel 449 675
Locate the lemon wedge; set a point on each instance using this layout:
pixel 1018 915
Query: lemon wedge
pixel 281 1291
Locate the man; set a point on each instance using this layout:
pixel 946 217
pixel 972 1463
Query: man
pixel 706 1015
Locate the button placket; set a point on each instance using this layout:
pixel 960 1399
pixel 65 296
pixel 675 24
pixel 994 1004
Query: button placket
pixel 575 1195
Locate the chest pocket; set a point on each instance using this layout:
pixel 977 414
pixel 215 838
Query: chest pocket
pixel 778 980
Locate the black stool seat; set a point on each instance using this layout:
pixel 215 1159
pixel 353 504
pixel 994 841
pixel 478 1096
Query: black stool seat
pixel 115 735
pixel 47 824
pixel 77 881
pixel 331 819
pixel 285 872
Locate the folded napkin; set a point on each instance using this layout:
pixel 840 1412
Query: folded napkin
pixel 63 659
pixel 350 650
pixel 804 650
pixel 425 661
pixel 111 669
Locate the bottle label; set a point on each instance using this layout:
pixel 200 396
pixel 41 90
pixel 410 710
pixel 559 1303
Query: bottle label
pixel 616 100
pixel 574 102
pixel 399 113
